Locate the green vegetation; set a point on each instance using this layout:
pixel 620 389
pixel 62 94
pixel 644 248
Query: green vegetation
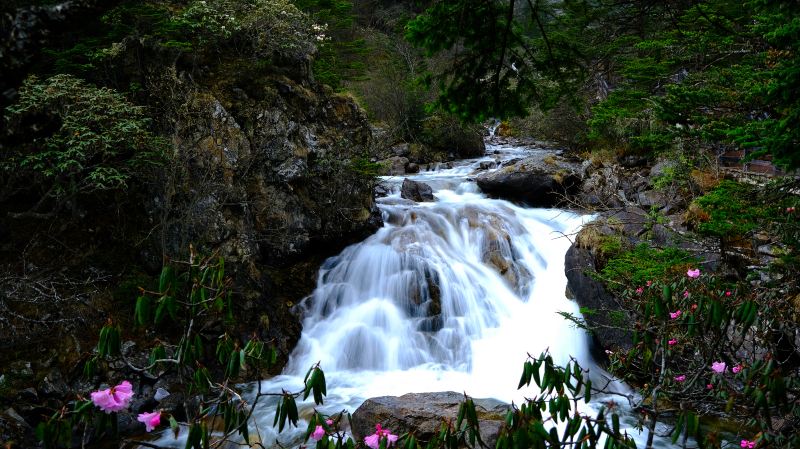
pixel 74 140
pixel 654 76
pixel 644 263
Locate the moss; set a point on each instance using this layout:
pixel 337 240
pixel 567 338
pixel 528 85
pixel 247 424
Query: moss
pixel 644 263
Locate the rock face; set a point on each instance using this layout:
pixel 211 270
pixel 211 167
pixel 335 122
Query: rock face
pixel 542 180
pixel 416 191
pixel 591 293
pixel 265 178
pixel 423 413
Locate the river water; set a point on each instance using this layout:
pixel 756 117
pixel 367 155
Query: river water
pixel 449 295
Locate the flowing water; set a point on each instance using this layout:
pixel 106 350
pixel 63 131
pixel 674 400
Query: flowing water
pixel 449 295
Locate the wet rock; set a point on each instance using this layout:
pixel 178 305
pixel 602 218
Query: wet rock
pixel 487 165
pixel 652 199
pixel 412 168
pixel 416 191
pixel 382 190
pixel 590 293
pixel 542 180
pixel 423 414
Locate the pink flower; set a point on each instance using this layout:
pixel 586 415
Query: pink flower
pixel 113 399
pixel 329 422
pixel 374 440
pixel 693 273
pixel 728 293
pixel 673 342
pixel 649 283
pixel 718 367
pixel 639 291
pixel 709 386
pixel 790 209
pixel 151 420
pixel 675 314
pixel 736 368
pixel 318 433
pixel 748 444
pixel 680 378
pixel 685 293
pixel 694 307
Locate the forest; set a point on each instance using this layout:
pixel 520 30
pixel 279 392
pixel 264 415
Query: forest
pixel 180 178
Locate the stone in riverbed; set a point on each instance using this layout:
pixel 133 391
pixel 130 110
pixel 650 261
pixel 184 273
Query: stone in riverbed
pixel 416 191
pixel 423 413
pixel 540 180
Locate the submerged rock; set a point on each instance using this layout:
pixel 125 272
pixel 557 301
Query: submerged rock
pixel 423 413
pixel 416 191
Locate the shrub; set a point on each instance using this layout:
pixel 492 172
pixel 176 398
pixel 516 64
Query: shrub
pixel 256 28
pixel 75 139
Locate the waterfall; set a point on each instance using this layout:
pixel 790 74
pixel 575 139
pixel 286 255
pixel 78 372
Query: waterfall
pixel 449 295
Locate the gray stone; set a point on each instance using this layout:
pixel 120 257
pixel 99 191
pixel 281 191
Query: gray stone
pixel 543 180
pixel 591 293
pixel 394 166
pixel 487 165
pixel 416 191
pixel 423 413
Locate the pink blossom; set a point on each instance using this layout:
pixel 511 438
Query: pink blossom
pixel 709 386
pixel 680 378
pixel 374 440
pixel 113 399
pixel 649 283
pixel 673 342
pixel 790 209
pixel 748 444
pixel 728 293
pixel 639 291
pixel 694 307
pixel 693 273
pixel 736 368
pixel 718 367
pixel 318 433
pixel 685 293
pixel 329 422
pixel 675 314
pixel 151 420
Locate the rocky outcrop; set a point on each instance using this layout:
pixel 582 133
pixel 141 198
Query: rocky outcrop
pixel 423 414
pixel 590 293
pixel 416 191
pixel 543 180
pixel 266 179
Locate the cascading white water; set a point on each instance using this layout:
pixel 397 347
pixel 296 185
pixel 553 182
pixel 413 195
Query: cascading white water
pixel 448 296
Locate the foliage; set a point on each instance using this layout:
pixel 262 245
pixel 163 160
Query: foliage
pixel 74 139
pixel 686 327
pixel 191 297
pixel 341 50
pixel 505 56
pixel 644 263
pixel 257 28
pixel 731 210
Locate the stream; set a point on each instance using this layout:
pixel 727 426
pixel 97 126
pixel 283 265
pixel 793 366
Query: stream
pixel 449 295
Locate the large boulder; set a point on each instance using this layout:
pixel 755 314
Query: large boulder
pixel 423 413
pixel 590 293
pixel 416 191
pixel 543 180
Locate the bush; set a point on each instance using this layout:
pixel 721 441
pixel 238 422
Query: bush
pixel 72 139
pixel 255 28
